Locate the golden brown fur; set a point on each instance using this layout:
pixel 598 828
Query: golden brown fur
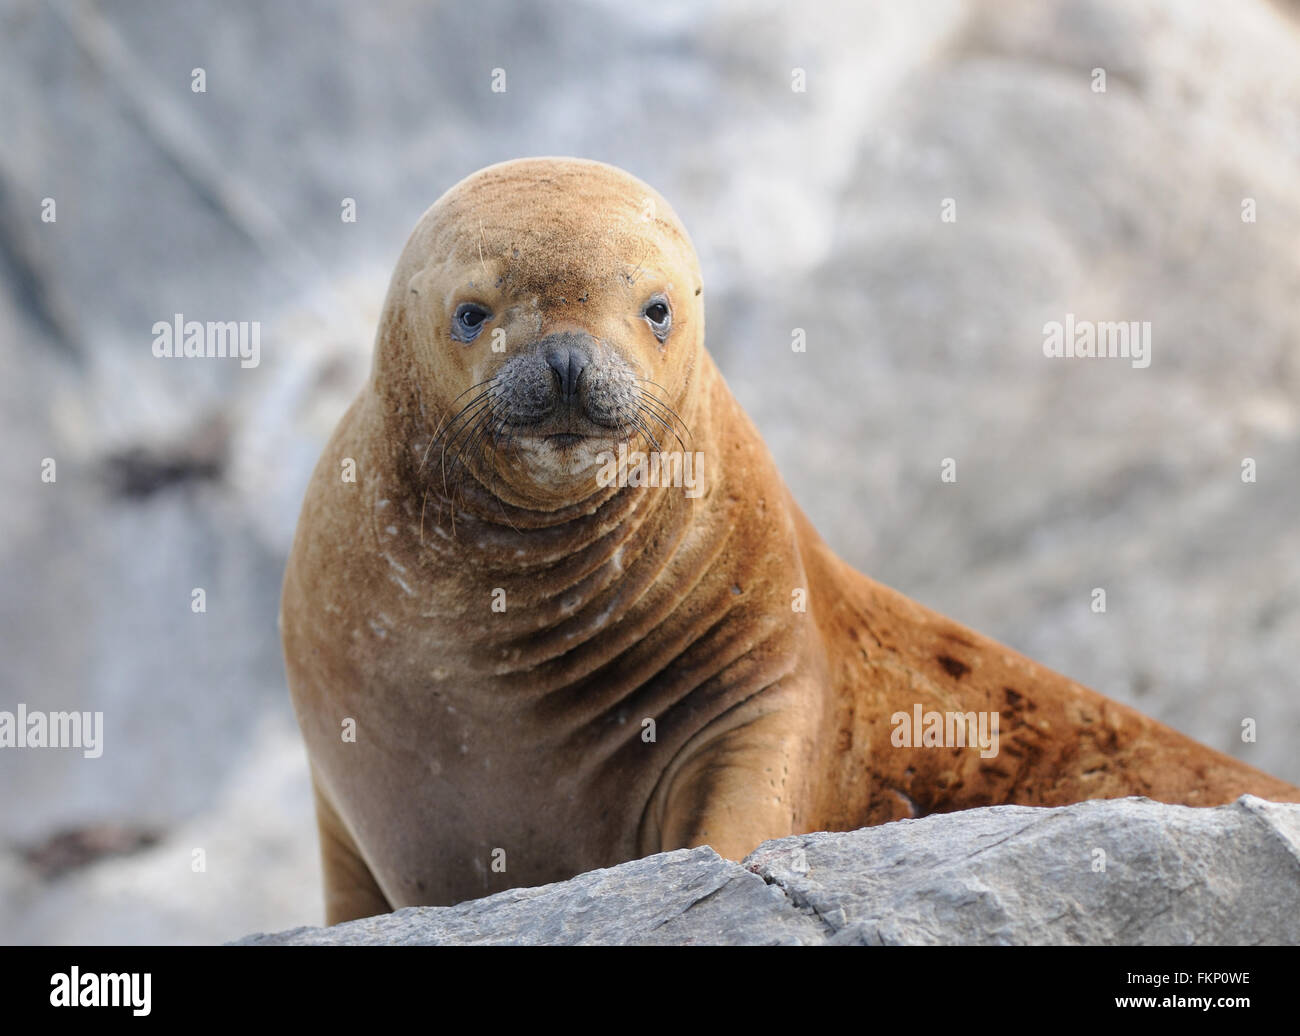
pixel 481 730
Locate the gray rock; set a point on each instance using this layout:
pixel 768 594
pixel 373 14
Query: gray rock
pixel 1121 871
pixel 682 897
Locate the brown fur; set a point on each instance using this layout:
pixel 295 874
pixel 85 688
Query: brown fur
pixel 522 730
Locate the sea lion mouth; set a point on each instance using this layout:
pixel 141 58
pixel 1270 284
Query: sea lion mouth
pixel 566 439
pixel 568 430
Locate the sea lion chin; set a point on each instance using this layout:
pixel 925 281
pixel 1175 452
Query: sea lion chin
pixel 567 613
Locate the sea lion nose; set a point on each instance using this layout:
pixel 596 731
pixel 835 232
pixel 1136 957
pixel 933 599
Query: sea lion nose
pixel 568 363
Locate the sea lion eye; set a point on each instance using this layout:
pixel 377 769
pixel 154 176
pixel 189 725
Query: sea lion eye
pixel 468 321
pixel 659 316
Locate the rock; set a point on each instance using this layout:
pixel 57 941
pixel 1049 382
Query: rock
pixel 682 897
pixel 1119 871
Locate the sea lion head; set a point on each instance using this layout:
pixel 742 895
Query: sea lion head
pixel 544 312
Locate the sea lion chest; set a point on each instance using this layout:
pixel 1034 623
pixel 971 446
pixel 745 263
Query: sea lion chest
pixel 512 708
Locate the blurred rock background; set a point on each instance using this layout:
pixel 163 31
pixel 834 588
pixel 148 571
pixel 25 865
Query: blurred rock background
pixel 818 210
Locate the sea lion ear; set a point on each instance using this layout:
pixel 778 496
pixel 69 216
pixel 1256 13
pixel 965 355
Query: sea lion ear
pixel 418 281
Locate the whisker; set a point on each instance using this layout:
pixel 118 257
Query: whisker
pixel 466 413
pixel 650 413
pixel 473 414
pixel 467 430
pixel 641 427
pixel 661 412
pixel 496 435
pixel 446 427
pixel 468 448
pixel 652 398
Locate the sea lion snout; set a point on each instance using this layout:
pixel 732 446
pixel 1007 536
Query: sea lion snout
pixel 566 383
pixel 568 357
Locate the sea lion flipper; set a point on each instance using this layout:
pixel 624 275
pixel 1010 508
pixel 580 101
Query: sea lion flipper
pixel 741 782
pixel 350 889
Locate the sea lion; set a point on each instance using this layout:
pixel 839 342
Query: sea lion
pixel 518 653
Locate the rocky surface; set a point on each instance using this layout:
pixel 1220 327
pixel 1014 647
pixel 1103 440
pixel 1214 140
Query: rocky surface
pixel 1126 871
pixel 818 210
